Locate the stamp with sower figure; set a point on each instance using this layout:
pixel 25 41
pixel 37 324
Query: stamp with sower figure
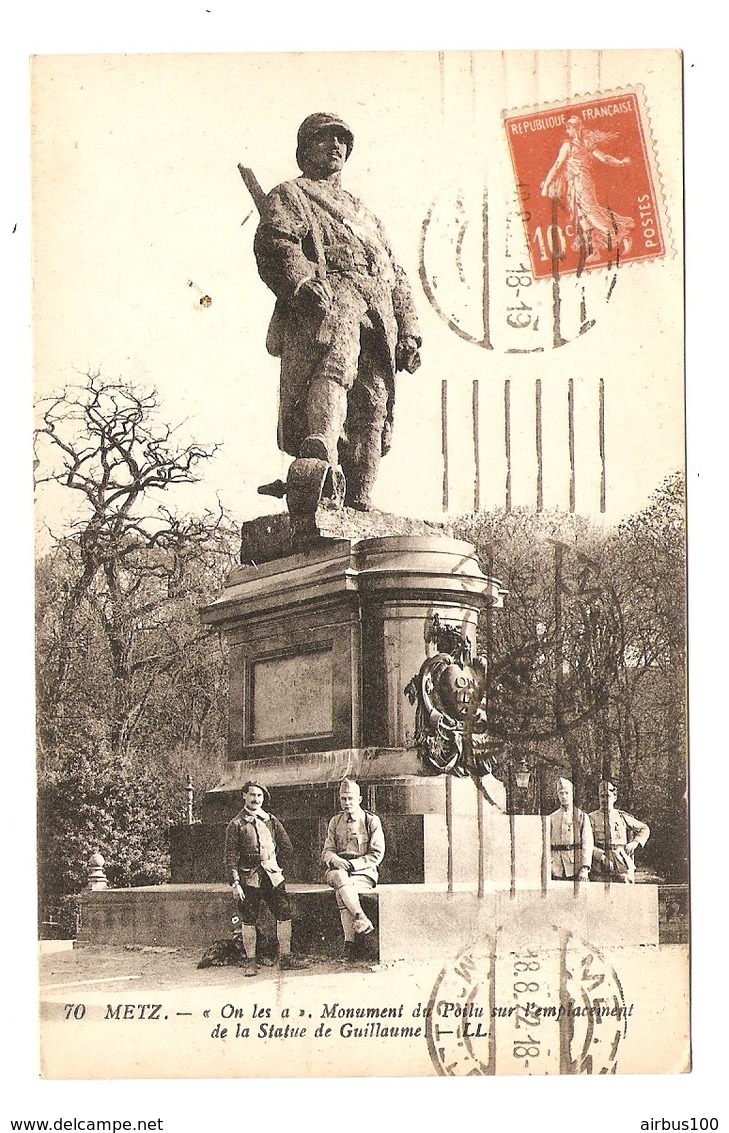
pixel 586 177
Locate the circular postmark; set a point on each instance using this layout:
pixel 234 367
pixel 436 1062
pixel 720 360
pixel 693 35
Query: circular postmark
pixel 478 276
pixel 459 1029
pixel 556 1008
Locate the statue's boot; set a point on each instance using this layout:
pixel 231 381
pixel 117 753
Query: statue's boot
pixel 326 411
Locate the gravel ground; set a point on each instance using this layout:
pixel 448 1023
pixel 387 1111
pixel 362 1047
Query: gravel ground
pixel 105 966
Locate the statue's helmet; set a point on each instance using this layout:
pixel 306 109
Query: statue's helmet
pixel 314 124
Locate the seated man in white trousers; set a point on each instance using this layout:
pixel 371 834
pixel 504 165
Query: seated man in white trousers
pixel 354 848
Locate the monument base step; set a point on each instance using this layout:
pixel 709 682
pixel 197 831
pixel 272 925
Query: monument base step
pixel 196 915
pixel 412 922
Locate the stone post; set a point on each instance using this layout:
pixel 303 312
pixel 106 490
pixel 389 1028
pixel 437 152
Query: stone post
pixel 95 870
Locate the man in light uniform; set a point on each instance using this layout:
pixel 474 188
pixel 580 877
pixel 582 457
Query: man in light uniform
pixel 353 850
pixel 253 841
pixel 344 320
pixel 570 837
pixel 614 855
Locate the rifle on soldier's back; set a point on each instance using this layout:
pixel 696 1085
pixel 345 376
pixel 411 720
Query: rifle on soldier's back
pixel 253 186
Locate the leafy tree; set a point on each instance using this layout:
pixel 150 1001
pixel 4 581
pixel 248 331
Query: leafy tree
pixel 647 722
pixel 553 649
pixel 91 800
pixel 588 655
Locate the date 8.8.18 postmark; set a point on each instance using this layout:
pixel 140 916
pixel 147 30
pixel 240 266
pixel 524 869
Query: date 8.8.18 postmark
pixel 516 1010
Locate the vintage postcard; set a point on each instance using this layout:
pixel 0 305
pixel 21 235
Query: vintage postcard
pixel 360 548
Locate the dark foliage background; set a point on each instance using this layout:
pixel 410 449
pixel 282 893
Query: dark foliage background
pixel 589 656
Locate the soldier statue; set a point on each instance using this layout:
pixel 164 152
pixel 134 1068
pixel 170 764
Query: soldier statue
pixel 344 320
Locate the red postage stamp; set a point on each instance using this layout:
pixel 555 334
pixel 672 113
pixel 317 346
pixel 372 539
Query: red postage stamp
pixel 586 182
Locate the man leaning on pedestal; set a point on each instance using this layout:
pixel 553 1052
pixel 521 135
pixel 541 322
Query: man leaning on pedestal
pixel 614 855
pixel 254 840
pixel 353 850
pixel 344 320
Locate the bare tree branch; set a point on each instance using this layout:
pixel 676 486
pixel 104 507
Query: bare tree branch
pixel 128 557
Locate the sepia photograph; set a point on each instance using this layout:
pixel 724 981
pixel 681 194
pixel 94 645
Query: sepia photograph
pixel 359 524
pixel 360 539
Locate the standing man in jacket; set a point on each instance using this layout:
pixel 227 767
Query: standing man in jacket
pixel 344 320
pixel 570 836
pixel 254 841
pixel 353 850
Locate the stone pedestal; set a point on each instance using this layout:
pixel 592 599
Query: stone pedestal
pixel 412 919
pixel 413 922
pixel 323 643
